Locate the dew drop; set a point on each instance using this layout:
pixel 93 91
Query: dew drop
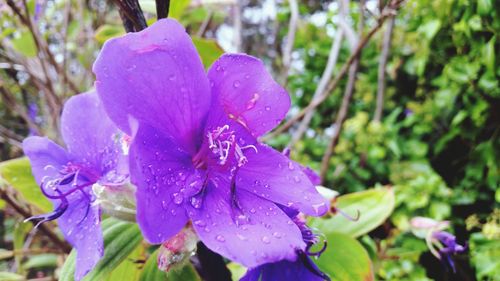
pixel 220 238
pixel 236 83
pixel 296 179
pixel 196 202
pixel 277 235
pixel 267 108
pixel 266 239
pixel 252 211
pixel 178 198
pixel 200 223
pixel 171 77
pixel 290 166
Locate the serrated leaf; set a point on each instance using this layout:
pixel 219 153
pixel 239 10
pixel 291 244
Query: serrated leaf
pixel 208 49
pixel 120 239
pixel 345 259
pixel 374 207
pixel 152 273
pixel 17 173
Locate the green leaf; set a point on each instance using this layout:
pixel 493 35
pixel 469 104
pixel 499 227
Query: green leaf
pixel 9 276
pixel 374 207
pixel 120 239
pixel 21 229
pixel 152 273
pixel 25 44
pixel 40 261
pixel 208 49
pixel 107 31
pixel 17 173
pixel 345 259
pixel 128 269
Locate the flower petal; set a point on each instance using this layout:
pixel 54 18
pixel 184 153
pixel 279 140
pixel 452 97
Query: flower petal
pixel 283 270
pixel 273 176
pixel 248 93
pixel 81 226
pixel 90 136
pixel 254 233
pixel 155 76
pixel 159 170
pixel 46 157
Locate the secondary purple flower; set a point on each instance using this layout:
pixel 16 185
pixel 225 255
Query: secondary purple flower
pixel 442 244
pixel 449 247
pixel 302 269
pixel 195 155
pixel 66 177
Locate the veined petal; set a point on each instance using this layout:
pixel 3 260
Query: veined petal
pixel 46 157
pixel 156 77
pixel 160 171
pixel 81 226
pixel 90 136
pixel 252 231
pixel 273 176
pixel 248 93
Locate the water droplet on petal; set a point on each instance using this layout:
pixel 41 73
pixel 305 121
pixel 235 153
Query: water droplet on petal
pixel 200 223
pixel 178 198
pixel 220 238
pixel 277 235
pixel 266 239
pixel 236 83
pixel 267 108
pixel 252 211
pixel 171 77
pixel 196 202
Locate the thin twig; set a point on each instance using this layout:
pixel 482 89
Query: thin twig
pixel 131 14
pixel 162 7
pixel 325 77
pixel 346 100
pixel 290 37
pixel 386 45
pixel 204 25
pixel 333 84
pixel 238 26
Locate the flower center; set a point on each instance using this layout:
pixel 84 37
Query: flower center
pixel 72 178
pixel 222 146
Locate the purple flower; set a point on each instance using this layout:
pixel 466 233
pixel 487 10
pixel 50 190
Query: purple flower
pixel 441 243
pixel 302 269
pixel 449 247
pixel 195 155
pixel 66 177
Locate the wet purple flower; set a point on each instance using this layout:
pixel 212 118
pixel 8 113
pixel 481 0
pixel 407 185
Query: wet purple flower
pixel 302 269
pixel 449 247
pixel 195 155
pixel 66 177
pixel 442 244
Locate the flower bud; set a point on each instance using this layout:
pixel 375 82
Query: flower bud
pixel 177 250
pixel 116 200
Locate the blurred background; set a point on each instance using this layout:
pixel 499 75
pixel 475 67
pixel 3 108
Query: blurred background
pixel 402 95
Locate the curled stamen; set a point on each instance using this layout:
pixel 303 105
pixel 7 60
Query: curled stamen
pixel 335 210
pixel 317 253
pixel 312 267
pixel 59 211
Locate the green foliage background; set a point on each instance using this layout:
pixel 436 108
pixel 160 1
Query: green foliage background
pixel 436 148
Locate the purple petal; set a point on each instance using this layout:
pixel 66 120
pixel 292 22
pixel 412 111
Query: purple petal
pixel 90 136
pixel 283 270
pixel 155 76
pixel 159 170
pixel 248 93
pixel 81 226
pixel 250 230
pixel 273 176
pixel 46 157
